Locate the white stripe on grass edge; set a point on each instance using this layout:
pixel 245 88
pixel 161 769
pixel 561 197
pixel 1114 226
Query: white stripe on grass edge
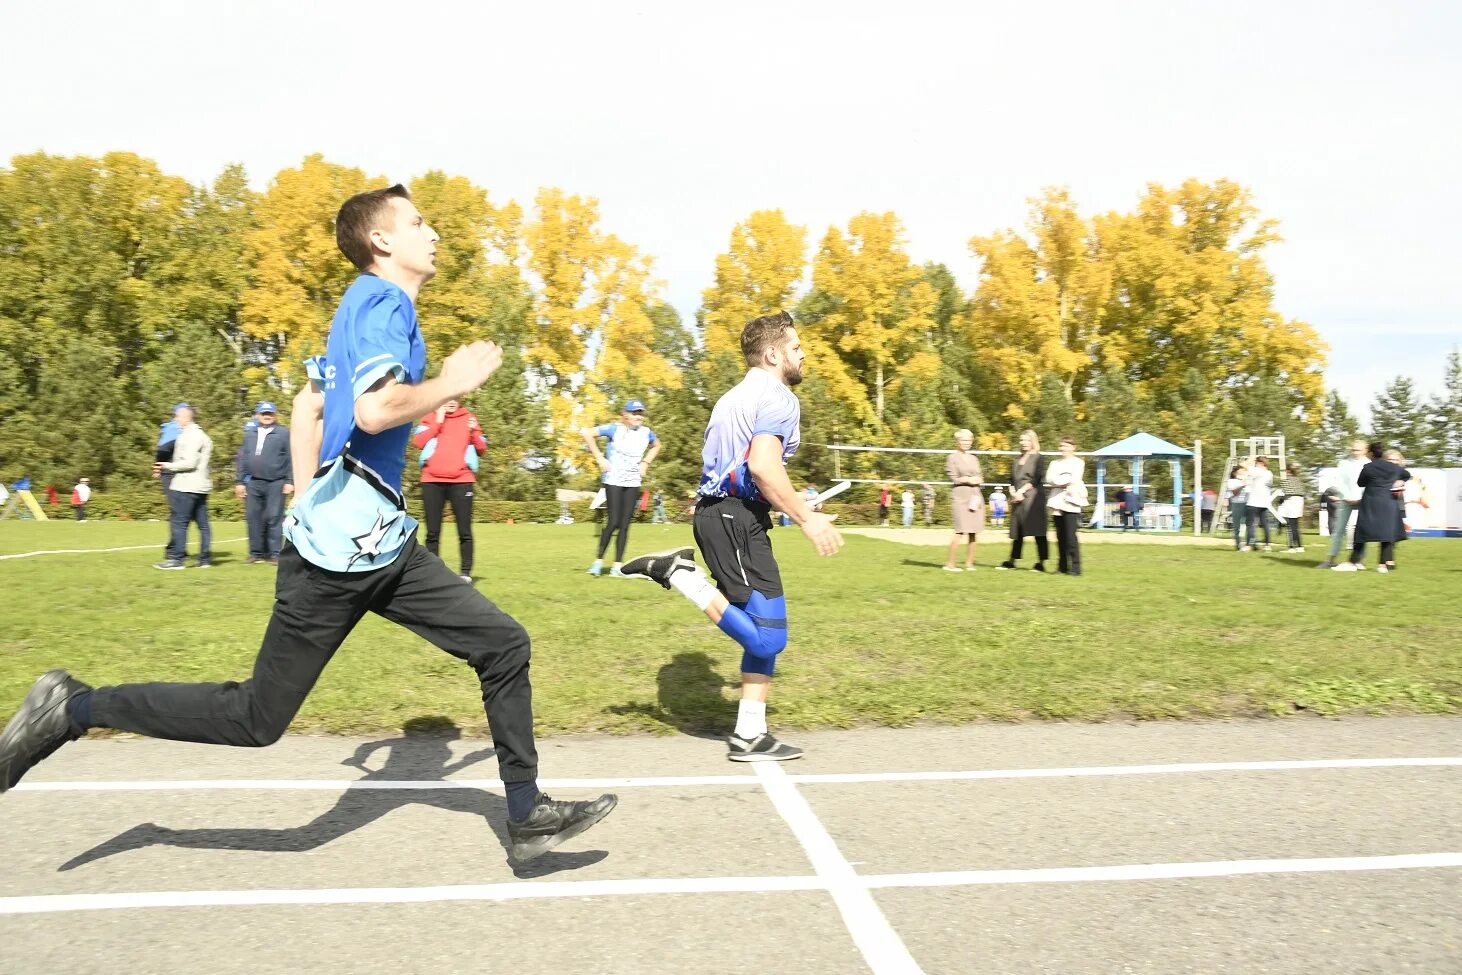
pixel 100 551
pixel 672 781
pixel 882 948
pixel 526 890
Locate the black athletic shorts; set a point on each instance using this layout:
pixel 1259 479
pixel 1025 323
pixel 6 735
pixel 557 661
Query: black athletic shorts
pixel 732 537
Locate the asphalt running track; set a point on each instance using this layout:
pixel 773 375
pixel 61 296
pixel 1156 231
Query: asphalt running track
pixel 1246 847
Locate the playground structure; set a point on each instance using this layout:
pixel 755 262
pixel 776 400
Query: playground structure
pixel 1244 449
pixel 20 502
pixel 1137 450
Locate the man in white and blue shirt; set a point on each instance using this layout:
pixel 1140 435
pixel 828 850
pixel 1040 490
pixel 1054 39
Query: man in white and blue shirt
pixel 754 430
pixel 631 448
pixel 351 549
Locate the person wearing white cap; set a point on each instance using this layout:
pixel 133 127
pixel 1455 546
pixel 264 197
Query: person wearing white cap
pixel 632 447
pixel 263 477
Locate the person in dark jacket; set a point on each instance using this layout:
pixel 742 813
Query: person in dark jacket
pixel 264 475
pixel 1379 519
pixel 1028 502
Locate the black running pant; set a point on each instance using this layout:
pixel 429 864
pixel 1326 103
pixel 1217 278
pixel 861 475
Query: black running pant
pixel 314 610
pixel 1068 549
pixel 621 508
pixel 1043 548
pixel 434 498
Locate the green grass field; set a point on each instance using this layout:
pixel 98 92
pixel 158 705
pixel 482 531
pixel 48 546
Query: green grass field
pixel 879 634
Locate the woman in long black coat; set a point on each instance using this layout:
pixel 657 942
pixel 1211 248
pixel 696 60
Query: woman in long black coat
pixel 1028 502
pixel 1379 519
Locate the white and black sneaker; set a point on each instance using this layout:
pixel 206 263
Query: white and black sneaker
pixel 762 748
pixel 659 566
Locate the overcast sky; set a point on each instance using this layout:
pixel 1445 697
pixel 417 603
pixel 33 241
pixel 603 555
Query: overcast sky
pixel 682 118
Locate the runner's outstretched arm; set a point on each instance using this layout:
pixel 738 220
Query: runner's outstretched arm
pixel 771 478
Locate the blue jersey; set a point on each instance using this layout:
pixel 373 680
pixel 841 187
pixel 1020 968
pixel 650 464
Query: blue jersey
pixel 352 517
pixel 758 404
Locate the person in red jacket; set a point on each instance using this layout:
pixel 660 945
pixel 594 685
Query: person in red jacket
pixel 451 441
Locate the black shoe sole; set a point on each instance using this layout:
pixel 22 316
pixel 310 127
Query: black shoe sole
pixel 536 846
pixel 760 757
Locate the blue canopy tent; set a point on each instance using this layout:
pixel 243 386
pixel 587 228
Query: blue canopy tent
pixel 1138 449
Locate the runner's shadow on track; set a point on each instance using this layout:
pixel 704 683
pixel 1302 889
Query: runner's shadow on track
pixel 423 753
pixel 688 698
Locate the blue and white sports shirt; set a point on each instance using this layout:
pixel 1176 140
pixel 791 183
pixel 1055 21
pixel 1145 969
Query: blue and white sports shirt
pixel 627 447
pixel 352 517
pixel 758 404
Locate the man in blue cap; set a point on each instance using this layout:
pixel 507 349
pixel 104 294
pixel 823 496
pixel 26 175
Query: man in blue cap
pixel 632 446
pixel 262 479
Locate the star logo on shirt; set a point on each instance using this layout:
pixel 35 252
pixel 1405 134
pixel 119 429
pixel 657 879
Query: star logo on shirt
pixel 369 543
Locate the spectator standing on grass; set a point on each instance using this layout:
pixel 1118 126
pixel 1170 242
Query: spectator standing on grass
pixel 1261 490
pixel 1347 484
pixel 1208 503
pixel 1028 502
pixel 1066 476
pixel 659 517
pixel 997 507
pixel 1379 518
pixel 450 440
pixel 1237 487
pixel 632 447
pixel 927 497
pixel 263 477
pixel 885 498
pixel 966 503
pixel 1292 505
pixel 908 506
pixel 167 439
pixel 80 495
pixel 188 496
pixel 53 497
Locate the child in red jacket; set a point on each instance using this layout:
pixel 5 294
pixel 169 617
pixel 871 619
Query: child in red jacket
pixel 450 440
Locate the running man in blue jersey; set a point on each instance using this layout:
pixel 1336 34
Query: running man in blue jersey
pixel 351 549
pixel 754 429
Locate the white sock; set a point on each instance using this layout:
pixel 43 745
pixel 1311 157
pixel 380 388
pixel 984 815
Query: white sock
pixel 751 719
pixel 693 585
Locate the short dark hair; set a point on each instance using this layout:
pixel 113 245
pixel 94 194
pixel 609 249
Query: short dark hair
pixel 358 216
pixel 762 333
pixel 1068 439
pixel 1376 449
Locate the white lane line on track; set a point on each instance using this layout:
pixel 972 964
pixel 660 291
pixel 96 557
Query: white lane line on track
pixel 1163 871
pixel 880 944
pixel 666 781
pixel 524 890
pixel 95 551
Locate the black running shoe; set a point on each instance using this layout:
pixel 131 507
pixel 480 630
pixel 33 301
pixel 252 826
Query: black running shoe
pixel 39 727
pixel 658 566
pixel 762 748
pixel 552 822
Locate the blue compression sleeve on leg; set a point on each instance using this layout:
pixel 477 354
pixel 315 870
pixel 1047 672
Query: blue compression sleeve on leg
pixel 760 626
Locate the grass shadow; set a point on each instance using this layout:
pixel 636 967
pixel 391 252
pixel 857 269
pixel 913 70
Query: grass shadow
pixel 423 753
pixel 923 563
pixel 688 698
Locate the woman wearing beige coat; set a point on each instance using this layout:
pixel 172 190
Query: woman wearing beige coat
pixel 968 516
